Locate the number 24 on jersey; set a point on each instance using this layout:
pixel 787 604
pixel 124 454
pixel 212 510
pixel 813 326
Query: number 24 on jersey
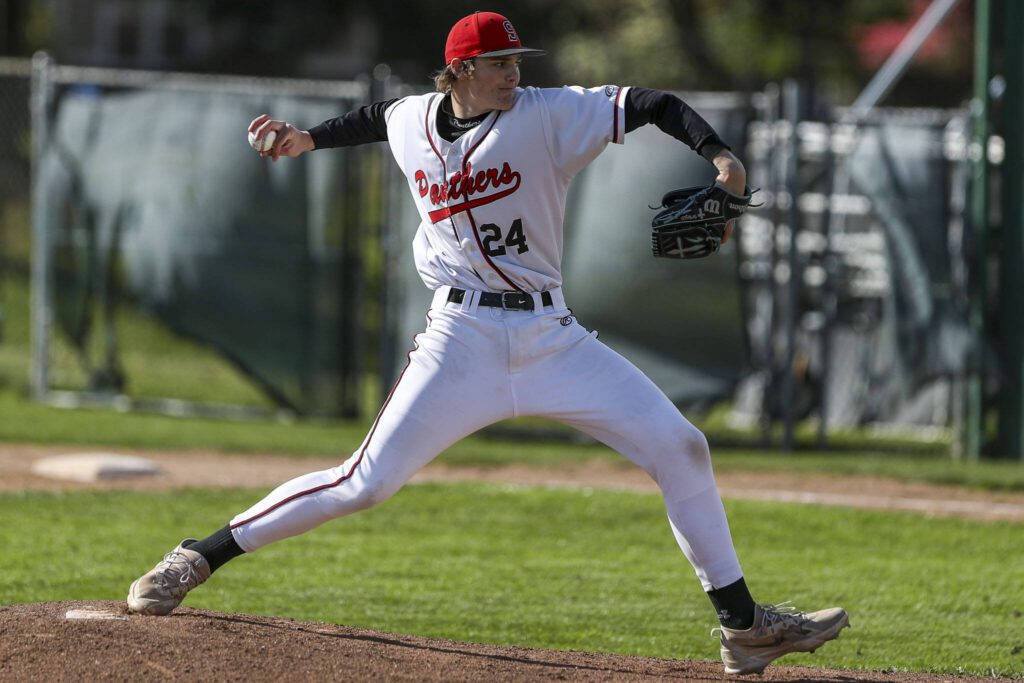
pixel 515 238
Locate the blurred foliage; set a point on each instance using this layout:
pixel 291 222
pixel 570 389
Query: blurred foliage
pixel 745 44
pixel 38 27
pixel 833 46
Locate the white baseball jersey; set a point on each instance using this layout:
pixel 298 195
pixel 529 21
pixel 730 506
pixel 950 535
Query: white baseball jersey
pixel 491 206
pixel 492 202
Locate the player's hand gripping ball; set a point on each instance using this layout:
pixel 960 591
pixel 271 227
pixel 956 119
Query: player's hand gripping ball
pixel 265 144
pixel 691 221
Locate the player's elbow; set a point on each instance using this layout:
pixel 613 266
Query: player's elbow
pixel 737 171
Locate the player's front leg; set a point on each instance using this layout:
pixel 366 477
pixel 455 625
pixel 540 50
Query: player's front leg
pixel 443 395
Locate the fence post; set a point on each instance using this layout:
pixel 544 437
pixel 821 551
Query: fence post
pixel 41 100
pixel 792 105
pixel 978 283
pixel 1010 319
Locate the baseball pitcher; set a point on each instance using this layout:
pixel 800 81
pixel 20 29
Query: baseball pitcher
pixel 488 164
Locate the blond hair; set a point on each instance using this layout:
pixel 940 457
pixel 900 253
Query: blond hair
pixel 446 77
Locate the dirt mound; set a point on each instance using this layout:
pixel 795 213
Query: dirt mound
pixel 39 643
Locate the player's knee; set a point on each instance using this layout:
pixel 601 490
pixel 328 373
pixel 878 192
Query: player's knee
pixel 373 492
pixel 680 461
pixel 678 444
pixel 356 495
pixel 692 443
pixel 376 496
pixel 689 470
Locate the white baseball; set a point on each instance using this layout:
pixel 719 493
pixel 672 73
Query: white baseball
pixel 265 144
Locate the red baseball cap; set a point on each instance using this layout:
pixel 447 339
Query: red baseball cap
pixel 484 34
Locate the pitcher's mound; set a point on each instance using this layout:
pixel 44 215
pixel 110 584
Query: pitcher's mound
pixel 39 642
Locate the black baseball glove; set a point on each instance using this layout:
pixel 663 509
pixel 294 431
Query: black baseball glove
pixel 691 221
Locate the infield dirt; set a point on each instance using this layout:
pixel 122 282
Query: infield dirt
pixel 37 643
pixel 212 469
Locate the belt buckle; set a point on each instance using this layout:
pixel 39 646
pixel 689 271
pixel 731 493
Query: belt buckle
pixel 513 301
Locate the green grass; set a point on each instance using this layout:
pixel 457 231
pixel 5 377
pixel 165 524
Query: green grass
pixel 999 475
pixel 26 422
pixel 554 568
pixel 156 362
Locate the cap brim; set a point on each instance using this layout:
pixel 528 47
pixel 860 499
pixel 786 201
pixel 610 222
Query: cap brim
pixel 524 51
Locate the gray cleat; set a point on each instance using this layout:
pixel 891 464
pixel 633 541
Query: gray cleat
pixel 161 589
pixel 777 631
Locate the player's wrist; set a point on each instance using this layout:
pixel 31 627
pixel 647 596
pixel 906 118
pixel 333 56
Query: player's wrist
pixel 731 174
pixel 307 143
pixel 735 189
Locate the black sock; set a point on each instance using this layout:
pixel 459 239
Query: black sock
pixel 734 605
pixel 217 548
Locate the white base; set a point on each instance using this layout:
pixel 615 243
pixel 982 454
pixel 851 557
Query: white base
pixel 94 614
pixel 93 467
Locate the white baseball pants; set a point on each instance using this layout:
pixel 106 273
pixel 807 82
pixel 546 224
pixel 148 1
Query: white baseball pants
pixel 474 366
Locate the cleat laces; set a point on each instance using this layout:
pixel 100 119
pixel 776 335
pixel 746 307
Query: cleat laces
pixel 782 616
pixel 172 565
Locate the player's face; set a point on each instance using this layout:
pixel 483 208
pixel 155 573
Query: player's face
pixel 494 82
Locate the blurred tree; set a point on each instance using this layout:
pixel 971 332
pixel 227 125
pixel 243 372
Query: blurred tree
pixel 744 44
pixel 708 44
pixel 11 24
pixel 28 26
pixel 328 39
pixel 834 47
pixel 942 73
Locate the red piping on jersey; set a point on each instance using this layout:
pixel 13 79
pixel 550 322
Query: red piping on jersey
pixel 497 270
pixel 426 128
pixel 466 206
pixel 615 118
pixel 340 480
pixel 449 211
pixel 465 162
pixel 444 166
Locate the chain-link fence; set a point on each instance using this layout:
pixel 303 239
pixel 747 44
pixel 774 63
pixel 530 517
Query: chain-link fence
pixel 171 262
pixel 15 153
pixel 854 269
pixel 173 268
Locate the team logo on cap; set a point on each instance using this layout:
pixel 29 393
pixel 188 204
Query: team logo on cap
pixel 510 31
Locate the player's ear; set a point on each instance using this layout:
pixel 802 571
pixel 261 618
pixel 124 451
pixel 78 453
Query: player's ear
pixel 458 67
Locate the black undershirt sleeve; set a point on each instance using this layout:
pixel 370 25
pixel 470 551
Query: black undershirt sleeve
pixel 675 117
pixel 357 127
pixel 643 105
